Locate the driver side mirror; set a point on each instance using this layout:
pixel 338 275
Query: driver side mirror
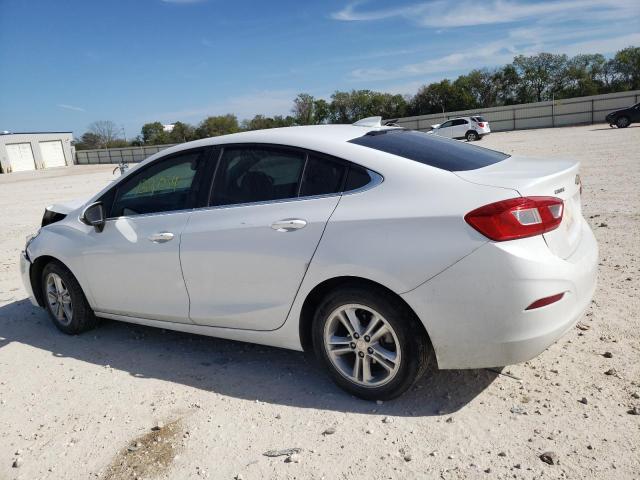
pixel 93 215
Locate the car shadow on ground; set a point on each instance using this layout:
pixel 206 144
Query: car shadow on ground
pixel 613 128
pixel 236 369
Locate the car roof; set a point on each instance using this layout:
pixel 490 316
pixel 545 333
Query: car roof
pixel 308 136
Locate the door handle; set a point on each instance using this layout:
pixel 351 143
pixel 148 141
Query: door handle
pixel 161 237
pixel 289 225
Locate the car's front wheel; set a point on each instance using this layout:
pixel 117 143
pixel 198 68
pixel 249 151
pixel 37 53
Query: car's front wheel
pixel 623 122
pixel 370 342
pixel 65 300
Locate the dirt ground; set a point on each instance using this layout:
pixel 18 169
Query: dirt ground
pixel 132 402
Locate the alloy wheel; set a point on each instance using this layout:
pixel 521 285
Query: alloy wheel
pixel 362 345
pixel 59 299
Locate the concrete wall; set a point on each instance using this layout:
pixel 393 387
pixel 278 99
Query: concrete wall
pixel 115 155
pixel 34 139
pixel 561 113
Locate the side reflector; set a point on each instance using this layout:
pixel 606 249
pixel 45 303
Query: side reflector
pixel 545 301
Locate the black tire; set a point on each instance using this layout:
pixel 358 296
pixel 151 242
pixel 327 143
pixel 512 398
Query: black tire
pixel 622 122
pixel 472 136
pixel 416 350
pixel 82 317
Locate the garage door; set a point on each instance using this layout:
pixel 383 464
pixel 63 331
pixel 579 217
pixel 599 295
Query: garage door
pixel 52 154
pixel 20 157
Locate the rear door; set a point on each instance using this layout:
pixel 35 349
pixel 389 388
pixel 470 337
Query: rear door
pixel 244 257
pixel 459 128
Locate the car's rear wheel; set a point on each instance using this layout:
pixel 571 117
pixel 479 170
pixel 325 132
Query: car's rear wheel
pixel 623 122
pixel 65 300
pixel 472 136
pixel 370 342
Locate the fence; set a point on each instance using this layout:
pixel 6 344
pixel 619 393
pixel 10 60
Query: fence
pixel 558 113
pixel 116 155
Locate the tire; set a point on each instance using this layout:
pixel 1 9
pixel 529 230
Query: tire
pixel 622 122
pixel 405 341
pixel 72 315
pixel 472 136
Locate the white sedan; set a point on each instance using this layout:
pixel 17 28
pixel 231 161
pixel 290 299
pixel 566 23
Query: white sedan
pixel 383 250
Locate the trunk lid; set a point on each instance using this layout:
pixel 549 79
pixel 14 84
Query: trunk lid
pixel 540 177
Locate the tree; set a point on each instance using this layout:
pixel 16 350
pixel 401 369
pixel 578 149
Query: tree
pixel 218 125
pixel 153 133
pixel 507 83
pixel 479 88
pixel 260 122
pixel 88 141
pixel 541 75
pixel 584 76
pixel 182 132
pixel 303 109
pixel 322 111
pixel 627 65
pixel 105 131
pixel 439 97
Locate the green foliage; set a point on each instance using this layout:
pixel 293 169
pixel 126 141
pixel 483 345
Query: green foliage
pixel 153 133
pixel 627 67
pixel 218 125
pixel 260 122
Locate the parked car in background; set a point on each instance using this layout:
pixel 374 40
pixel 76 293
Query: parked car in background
pixel 470 128
pixel 382 250
pixel 624 117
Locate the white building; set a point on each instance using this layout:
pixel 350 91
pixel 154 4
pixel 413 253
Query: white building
pixel 35 150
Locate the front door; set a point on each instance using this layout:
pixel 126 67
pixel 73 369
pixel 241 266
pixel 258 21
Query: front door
pixel 445 129
pixel 244 257
pixel 134 263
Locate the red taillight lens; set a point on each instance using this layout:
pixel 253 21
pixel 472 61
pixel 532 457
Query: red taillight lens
pixel 481 124
pixel 517 217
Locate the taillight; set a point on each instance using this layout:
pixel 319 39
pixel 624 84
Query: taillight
pixel 481 124
pixel 517 217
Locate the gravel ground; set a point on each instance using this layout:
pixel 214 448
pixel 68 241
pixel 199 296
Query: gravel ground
pixel 133 402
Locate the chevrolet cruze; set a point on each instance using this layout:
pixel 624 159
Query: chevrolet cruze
pixel 382 250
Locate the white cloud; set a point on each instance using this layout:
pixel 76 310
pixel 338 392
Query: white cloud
pixel 461 13
pixel 70 107
pixel 490 53
pixel 517 42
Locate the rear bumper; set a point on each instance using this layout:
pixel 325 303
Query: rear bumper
pixel 475 312
pixel 25 273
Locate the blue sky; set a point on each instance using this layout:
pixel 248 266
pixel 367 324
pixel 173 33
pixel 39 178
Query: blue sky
pixel 66 63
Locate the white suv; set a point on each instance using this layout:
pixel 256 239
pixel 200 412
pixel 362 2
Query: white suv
pixel 471 128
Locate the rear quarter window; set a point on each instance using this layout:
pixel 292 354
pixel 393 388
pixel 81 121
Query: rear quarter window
pixel 431 150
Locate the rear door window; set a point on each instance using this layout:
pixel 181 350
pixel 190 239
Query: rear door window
pixel 322 176
pixel 432 150
pixel 257 174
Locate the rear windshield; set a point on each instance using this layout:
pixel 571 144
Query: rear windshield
pixel 478 119
pixel 430 149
